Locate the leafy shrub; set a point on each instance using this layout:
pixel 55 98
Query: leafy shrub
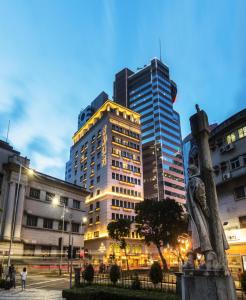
pixel 155 273
pixel 88 274
pixel 2 283
pixel 114 273
pixel 243 281
pixel 93 292
pixel 136 284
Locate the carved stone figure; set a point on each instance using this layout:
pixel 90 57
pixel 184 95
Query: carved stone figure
pixel 199 219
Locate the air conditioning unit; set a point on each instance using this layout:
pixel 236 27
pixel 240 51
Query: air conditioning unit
pixel 226 176
pixel 229 147
pixel 222 149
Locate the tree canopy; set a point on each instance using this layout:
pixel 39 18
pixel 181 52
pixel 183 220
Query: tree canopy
pixel 161 222
pixel 118 231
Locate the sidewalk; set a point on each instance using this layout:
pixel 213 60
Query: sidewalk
pixel 30 293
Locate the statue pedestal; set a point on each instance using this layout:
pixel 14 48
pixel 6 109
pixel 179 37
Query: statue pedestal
pixel 207 285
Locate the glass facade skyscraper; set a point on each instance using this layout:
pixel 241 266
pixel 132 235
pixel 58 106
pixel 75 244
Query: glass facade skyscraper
pixel 151 93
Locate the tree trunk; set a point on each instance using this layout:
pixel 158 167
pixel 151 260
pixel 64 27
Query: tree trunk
pixel 127 265
pixel 163 260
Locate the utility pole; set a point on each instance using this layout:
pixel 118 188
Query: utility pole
pixel 71 266
pixel 70 243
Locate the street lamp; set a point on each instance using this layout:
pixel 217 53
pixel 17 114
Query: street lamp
pixel 55 203
pixel 31 173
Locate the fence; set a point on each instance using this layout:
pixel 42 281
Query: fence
pixel 168 283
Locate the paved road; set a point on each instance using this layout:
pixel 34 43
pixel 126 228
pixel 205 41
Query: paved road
pixel 38 287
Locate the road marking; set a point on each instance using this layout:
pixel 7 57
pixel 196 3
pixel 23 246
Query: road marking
pixel 50 281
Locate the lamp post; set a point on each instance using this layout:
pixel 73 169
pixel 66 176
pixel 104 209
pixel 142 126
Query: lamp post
pixel 55 203
pixel 30 172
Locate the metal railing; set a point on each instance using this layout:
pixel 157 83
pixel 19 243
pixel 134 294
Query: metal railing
pixel 126 280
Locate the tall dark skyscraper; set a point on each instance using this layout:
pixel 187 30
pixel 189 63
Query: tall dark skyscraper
pixel 151 92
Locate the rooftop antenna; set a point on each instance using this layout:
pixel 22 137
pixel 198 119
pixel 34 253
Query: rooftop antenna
pixel 160 48
pixel 7 137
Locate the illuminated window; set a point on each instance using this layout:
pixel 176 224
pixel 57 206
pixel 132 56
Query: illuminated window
pixel 96 234
pixel 242 132
pixel 231 138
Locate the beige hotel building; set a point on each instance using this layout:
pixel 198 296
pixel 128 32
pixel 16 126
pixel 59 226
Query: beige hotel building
pixel 106 159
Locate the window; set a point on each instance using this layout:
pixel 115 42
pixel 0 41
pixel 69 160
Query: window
pixel 98 154
pixel 75 227
pixel 91 206
pixel 96 234
pixel 64 200
pixel 98 179
pixel 76 204
pixel 242 221
pixel 235 163
pixel 98 192
pixel 35 193
pixel 113 216
pixel 60 224
pixel 242 132
pixel 91 221
pixel 98 166
pixel 31 221
pixel 239 192
pixel 97 205
pixel 97 219
pixel 49 196
pixel 48 223
pixel 231 138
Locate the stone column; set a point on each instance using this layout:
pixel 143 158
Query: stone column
pixel 19 213
pixel 200 132
pixel 9 211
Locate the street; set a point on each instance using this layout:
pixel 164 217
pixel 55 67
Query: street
pixel 40 287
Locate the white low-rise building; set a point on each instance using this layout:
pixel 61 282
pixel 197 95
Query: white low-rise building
pixel 33 216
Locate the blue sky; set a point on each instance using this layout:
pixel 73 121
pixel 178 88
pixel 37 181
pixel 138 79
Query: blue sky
pixel 56 56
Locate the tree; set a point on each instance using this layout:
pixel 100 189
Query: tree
pixel 114 274
pixel 88 274
pixel 118 231
pixel 155 273
pixel 160 223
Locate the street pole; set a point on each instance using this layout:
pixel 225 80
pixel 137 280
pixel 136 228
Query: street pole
pixel 71 265
pixel 61 250
pixel 14 216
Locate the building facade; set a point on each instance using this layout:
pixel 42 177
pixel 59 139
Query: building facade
pixel 151 93
pixel 107 160
pixel 84 115
pixel 29 216
pixel 228 151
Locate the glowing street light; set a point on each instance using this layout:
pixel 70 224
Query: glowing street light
pixel 55 202
pixel 84 220
pixel 30 172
